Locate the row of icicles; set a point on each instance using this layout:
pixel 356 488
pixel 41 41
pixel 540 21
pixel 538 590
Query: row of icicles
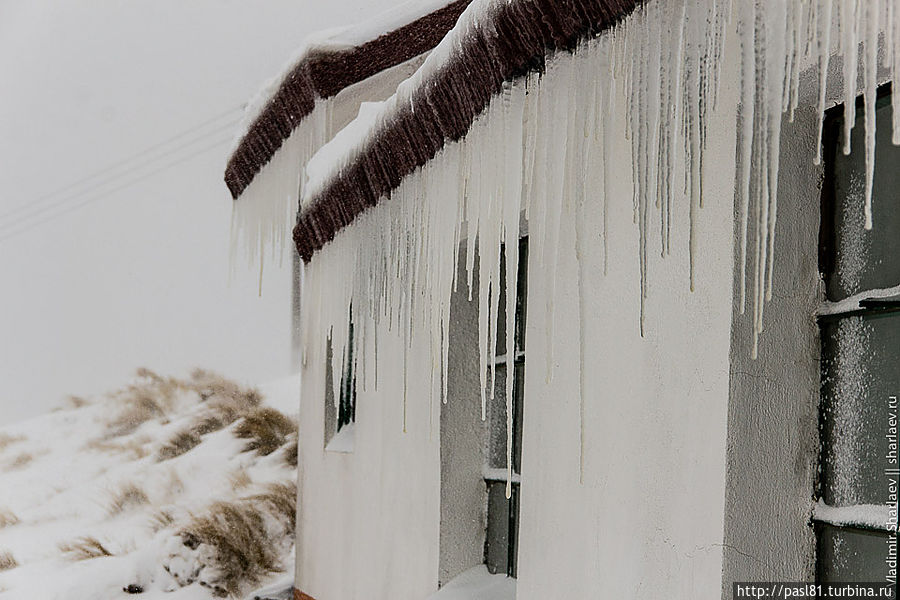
pixel 551 139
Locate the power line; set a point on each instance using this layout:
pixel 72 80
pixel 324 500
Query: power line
pixel 38 210
pixel 71 208
pixel 122 162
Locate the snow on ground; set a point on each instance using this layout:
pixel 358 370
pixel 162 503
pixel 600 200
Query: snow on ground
pixel 97 496
pixel 477 584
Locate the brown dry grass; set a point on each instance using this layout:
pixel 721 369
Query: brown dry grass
pixel 134 448
pixel 152 397
pixel 161 519
pixel 289 454
pixel 267 429
pixel 7 561
pixel 239 479
pixel 237 532
pixel 6 439
pixel 20 461
pixel 226 402
pixel 72 403
pixel 282 498
pixel 128 496
pixel 242 549
pixel 84 548
pixel 182 442
pixel 209 385
pixel 8 518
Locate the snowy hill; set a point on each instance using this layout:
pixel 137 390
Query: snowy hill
pixel 181 489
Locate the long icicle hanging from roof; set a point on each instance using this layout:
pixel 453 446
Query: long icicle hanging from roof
pixel 267 209
pixel 397 263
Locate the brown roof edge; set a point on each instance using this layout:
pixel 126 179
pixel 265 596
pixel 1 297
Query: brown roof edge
pixel 506 44
pixel 322 74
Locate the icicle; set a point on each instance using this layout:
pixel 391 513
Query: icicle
pixel 263 215
pixel 823 26
pixel 778 32
pixel 559 82
pixel 870 63
pixel 512 198
pixel 582 325
pixel 399 262
pixel 609 119
pixel 849 23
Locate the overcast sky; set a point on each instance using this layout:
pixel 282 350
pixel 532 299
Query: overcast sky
pixel 115 121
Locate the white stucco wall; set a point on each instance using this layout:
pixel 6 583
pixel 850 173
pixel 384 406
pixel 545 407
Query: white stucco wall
pixel 647 520
pixel 369 522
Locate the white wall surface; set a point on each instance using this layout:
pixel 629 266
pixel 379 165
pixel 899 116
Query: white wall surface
pixel 647 520
pixel 369 521
pixel 138 276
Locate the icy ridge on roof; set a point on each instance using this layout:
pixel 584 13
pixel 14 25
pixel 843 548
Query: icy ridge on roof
pixel 333 39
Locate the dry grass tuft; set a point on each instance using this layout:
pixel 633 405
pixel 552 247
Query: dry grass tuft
pixel 180 443
pixel 240 535
pixel 72 403
pixel 8 518
pixel 282 499
pixel 237 533
pixel 152 397
pixel 139 408
pixel 161 519
pixel 6 439
pixel 289 454
pixel 225 404
pixel 237 543
pixel 134 448
pixel 84 548
pixel 149 398
pixel 239 479
pixel 7 561
pixel 266 429
pixel 210 385
pixel 209 422
pixel 20 461
pixel 125 498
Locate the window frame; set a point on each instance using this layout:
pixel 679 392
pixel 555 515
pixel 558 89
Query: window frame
pixel 870 306
pixel 495 478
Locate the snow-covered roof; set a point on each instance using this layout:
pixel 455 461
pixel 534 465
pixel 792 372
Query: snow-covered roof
pixel 327 63
pixel 493 42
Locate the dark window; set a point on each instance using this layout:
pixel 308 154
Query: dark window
pixel 860 327
pixel 501 540
pixel 347 403
pixel 345 413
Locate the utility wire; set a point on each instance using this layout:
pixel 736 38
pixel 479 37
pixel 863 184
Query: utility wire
pixel 73 207
pixel 38 210
pixel 114 166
